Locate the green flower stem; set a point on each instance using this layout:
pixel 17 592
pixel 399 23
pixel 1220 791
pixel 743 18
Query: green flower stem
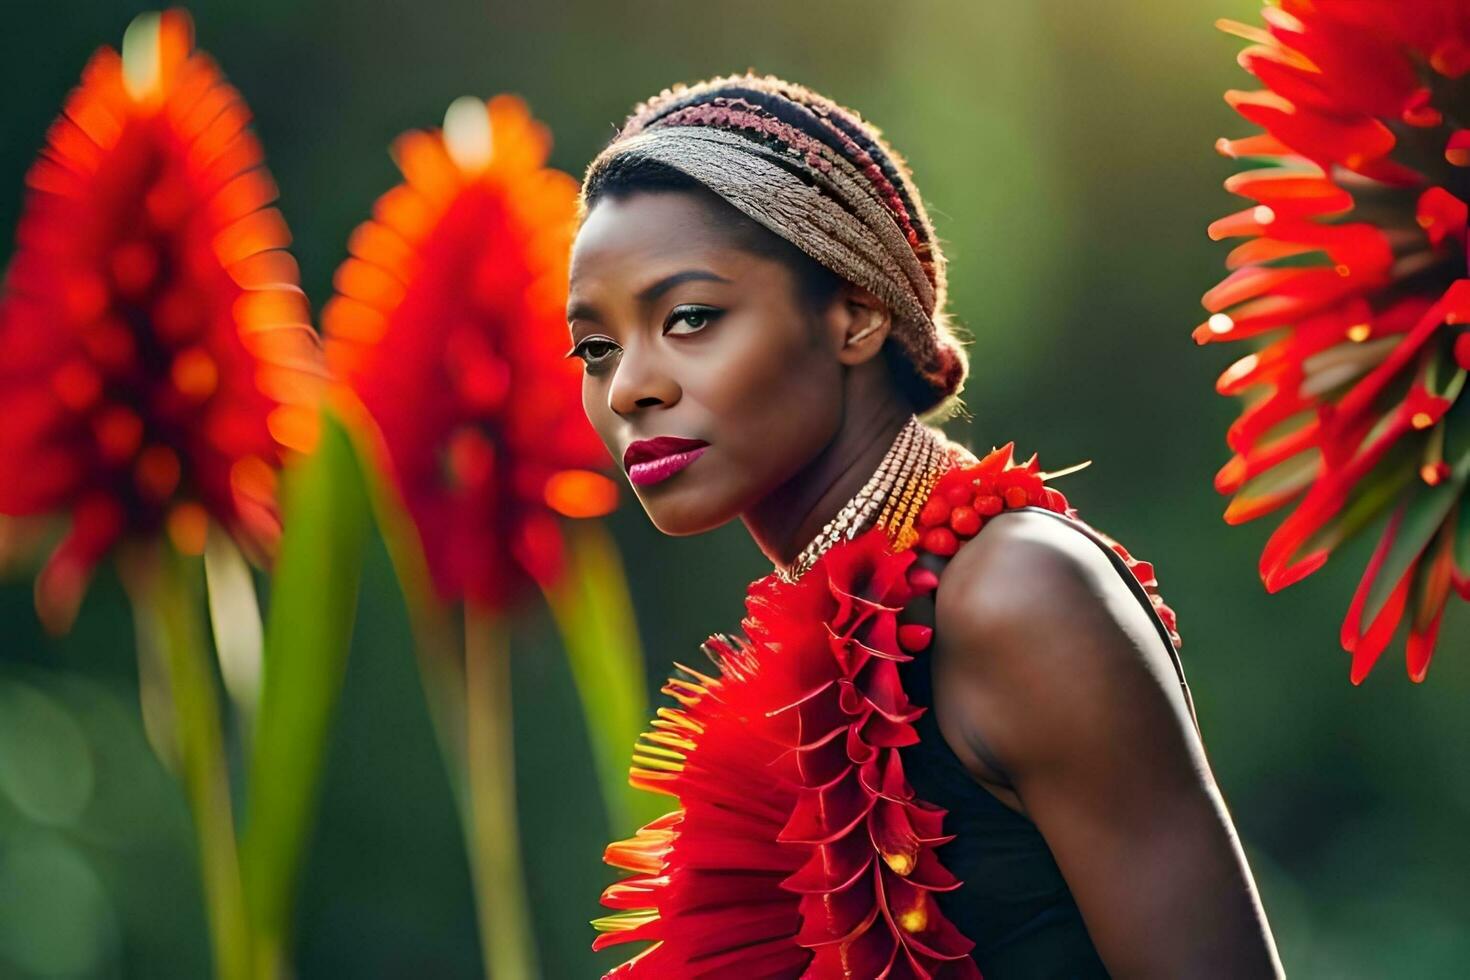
pixel 594 614
pixel 308 639
pixel 167 599
pixel 490 824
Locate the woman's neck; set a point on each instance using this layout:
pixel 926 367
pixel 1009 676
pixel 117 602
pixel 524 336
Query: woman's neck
pixel 785 521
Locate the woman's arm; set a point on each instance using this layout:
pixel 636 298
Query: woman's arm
pixel 1065 686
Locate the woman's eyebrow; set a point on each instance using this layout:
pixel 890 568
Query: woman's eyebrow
pixel 580 311
pixel 652 292
pixel 584 311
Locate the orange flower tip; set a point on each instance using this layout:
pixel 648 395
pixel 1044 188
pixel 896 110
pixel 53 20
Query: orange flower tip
pixel 295 427
pixel 1421 420
pixel 1243 511
pixel 188 527
pixel 1231 475
pixel 1278 578
pixel 467 134
pixel 253 479
pixel 1359 332
pixel 1434 473
pixel 581 493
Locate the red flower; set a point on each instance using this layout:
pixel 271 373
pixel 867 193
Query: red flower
pixel 449 326
pixel 156 353
pixel 1354 280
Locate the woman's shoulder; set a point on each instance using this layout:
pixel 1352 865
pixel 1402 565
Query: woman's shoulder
pixel 1038 622
pixel 1029 586
pixel 1024 570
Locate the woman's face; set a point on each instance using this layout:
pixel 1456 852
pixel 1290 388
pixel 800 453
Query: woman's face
pixel 685 334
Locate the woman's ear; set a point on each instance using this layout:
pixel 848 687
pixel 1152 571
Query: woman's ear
pixel 865 322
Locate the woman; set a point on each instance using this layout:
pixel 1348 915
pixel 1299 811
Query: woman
pixel 936 750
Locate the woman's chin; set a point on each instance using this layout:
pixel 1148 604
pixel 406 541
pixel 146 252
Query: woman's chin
pixel 679 521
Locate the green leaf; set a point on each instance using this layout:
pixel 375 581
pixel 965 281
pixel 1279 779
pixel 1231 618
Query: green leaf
pixel 1424 512
pixel 1462 539
pixel 1457 430
pixel 594 614
pixel 1289 475
pixel 166 592
pixel 1367 500
pixel 312 608
pixel 1442 376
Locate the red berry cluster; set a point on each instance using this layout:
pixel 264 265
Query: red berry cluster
pixel 959 505
pixel 965 498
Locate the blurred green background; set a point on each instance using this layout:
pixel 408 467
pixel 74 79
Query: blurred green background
pixel 1065 152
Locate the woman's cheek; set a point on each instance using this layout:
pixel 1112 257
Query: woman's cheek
pixel 595 407
pixel 753 371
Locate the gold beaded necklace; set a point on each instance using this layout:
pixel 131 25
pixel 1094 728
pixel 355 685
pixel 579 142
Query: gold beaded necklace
pixel 893 495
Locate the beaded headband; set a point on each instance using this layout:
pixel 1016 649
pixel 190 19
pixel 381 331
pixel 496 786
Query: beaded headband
pixel 821 177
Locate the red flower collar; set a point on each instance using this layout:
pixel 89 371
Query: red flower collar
pixel 800 848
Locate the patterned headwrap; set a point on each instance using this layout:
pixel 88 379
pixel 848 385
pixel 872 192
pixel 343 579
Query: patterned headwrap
pixel 821 177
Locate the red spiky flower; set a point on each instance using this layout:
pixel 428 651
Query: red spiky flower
pixel 156 353
pixel 1353 279
pixel 448 326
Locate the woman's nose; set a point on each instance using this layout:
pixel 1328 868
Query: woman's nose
pixel 640 380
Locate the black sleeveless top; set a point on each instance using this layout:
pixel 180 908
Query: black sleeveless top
pixel 1014 903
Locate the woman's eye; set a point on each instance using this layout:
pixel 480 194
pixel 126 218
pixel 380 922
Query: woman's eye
pixel 594 352
pixel 697 317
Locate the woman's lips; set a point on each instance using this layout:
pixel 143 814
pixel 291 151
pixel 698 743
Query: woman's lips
pixel 651 460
